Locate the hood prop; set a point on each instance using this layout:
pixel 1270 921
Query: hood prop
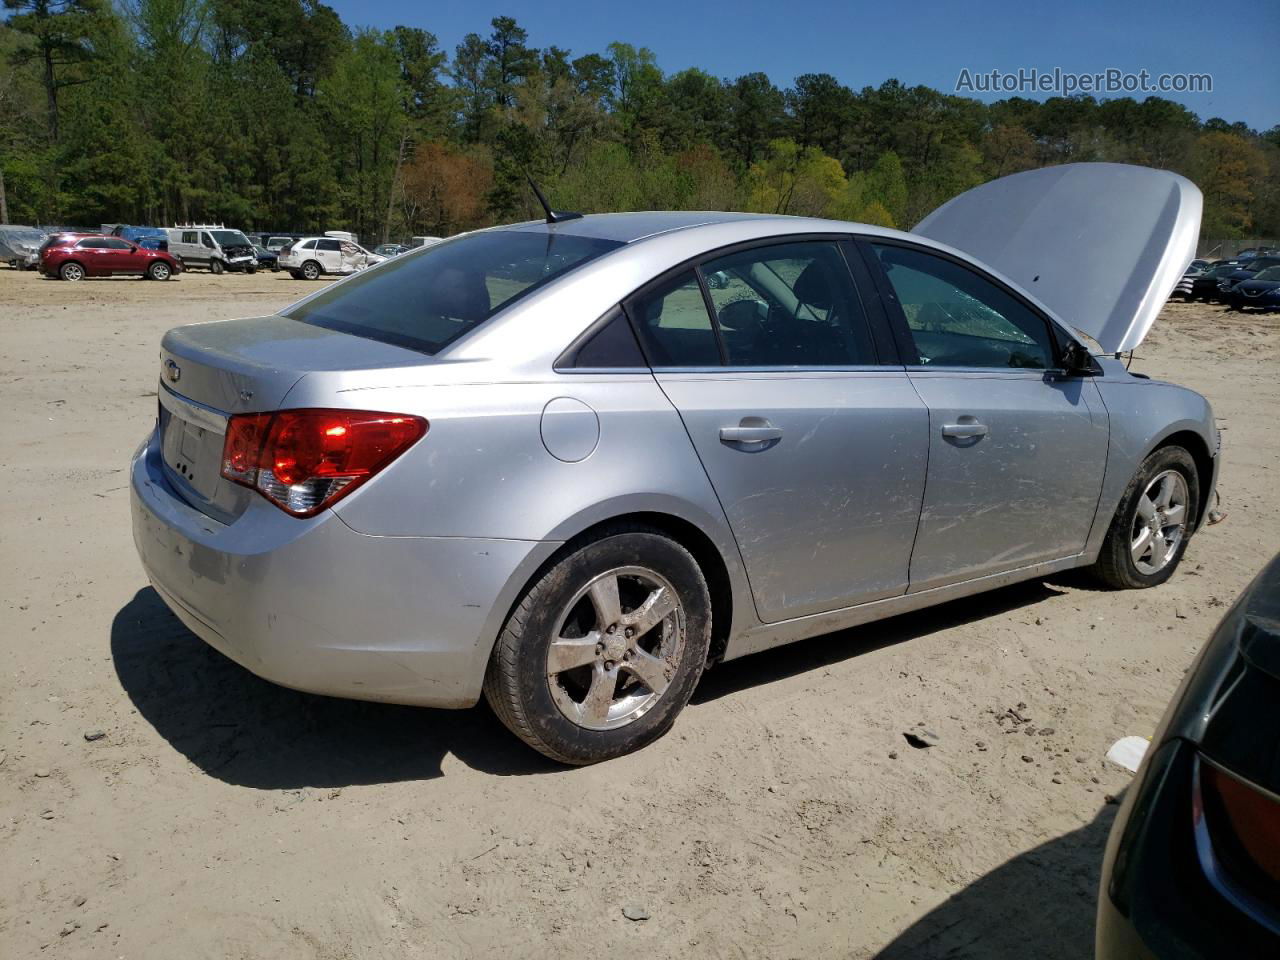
pixel 553 216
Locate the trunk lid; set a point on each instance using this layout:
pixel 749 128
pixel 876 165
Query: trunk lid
pixel 1102 245
pixel 209 371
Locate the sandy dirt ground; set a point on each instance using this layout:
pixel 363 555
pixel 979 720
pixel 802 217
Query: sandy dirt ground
pixel 785 815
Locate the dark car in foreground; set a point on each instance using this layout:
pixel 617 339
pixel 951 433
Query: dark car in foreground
pixel 1192 867
pixel 74 257
pixel 1261 292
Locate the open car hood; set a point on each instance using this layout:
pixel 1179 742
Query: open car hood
pixel 1102 245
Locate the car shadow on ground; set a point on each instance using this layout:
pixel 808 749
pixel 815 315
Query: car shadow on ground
pixel 249 732
pixel 823 651
pixel 1041 904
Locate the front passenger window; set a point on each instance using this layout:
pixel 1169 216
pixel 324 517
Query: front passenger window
pixel 959 319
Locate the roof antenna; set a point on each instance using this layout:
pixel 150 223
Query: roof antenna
pixel 553 216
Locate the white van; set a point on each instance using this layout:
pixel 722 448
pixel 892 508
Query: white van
pixel 212 246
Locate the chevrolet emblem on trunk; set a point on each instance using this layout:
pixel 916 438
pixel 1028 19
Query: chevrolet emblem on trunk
pixel 172 371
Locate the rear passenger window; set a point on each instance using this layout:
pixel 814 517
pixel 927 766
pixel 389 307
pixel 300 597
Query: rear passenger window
pixel 789 304
pixel 674 325
pixel 330 245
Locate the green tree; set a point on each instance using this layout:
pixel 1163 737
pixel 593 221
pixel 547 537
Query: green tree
pixel 756 116
pixel 61 31
pixel 509 60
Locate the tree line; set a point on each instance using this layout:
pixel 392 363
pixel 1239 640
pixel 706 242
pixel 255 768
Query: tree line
pixel 274 114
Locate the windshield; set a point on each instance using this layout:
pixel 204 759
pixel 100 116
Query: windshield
pixel 1224 270
pixel 1271 273
pixel 230 238
pixel 427 300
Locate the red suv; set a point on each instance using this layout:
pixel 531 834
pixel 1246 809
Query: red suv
pixel 76 256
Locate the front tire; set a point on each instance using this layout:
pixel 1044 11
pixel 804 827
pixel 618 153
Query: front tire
pixel 159 271
pixel 1153 523
pixel 215 267
pixel 604 650
pixel 71 271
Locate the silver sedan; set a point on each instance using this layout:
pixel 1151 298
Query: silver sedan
pixel 571 464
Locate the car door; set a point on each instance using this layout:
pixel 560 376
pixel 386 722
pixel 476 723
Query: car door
pixel 811 435
pixel 329 253
pixel 91 253
pixel 1017 448
pixel 118 256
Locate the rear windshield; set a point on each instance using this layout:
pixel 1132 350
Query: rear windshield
pixel 425 301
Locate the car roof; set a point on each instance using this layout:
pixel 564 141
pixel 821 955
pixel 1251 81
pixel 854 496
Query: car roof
pixel 641 225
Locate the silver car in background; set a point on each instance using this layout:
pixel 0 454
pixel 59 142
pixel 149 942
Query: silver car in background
pixel 552 463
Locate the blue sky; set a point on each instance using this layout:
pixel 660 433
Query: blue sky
pixel 920 41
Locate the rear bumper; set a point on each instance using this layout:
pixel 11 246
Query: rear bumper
pixel 314 605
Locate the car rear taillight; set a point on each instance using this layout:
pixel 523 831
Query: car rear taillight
pixel 305 460
pixel 1244 823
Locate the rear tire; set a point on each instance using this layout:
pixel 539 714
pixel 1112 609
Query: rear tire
pixel 1167 480
pixel 71 271
pixel 597 704
pixel 215 267
pixel 311 270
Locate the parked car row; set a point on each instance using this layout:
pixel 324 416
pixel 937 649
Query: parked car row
pixel 213 247
pixel 1242 282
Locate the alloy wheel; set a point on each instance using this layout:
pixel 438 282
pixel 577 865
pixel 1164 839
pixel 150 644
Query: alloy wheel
pixel 72 271
pixel 1160 522
pixel 617 645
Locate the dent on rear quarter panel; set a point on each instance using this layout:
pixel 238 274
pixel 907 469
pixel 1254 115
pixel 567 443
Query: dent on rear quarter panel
pixel 1142 414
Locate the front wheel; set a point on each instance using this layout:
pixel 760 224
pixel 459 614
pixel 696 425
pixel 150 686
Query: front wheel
pixel 215 267
pixel 1156 516
pixel 159 271
pixel 604 650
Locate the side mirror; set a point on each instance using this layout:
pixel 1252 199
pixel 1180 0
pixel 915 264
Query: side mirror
pixel 1077 361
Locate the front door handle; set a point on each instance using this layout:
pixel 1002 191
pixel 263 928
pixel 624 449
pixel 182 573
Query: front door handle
pixel 965 430
pixel 752 430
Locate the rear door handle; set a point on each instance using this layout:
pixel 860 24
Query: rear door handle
pixel 751 432
pixel 965 430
